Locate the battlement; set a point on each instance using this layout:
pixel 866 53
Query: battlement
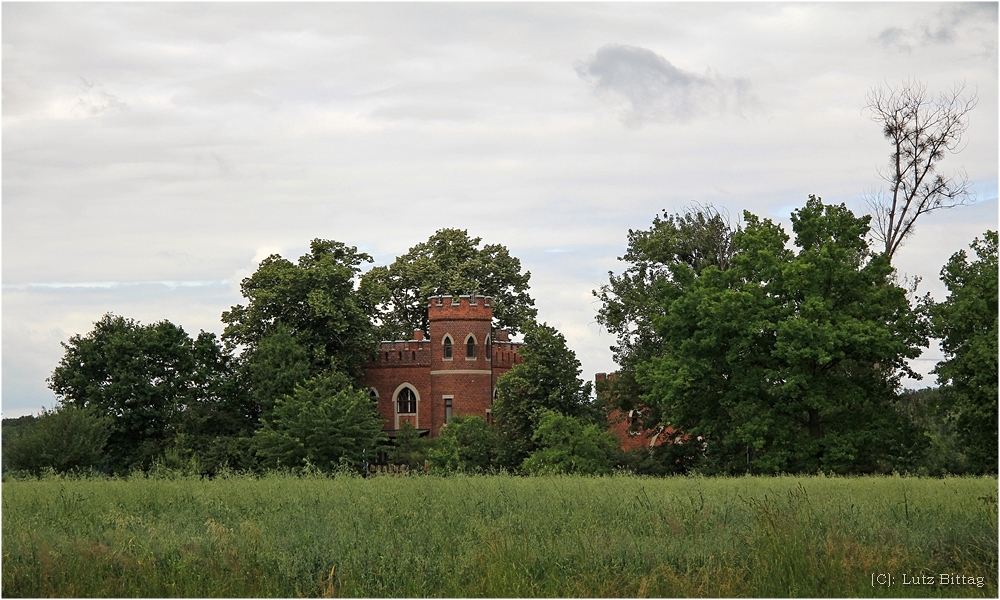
pixel 414 352
pixel 461 308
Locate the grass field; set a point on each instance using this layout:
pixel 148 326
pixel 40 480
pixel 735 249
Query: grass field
pixel 499 536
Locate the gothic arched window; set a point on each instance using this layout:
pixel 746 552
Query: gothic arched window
pixel 470 347
pixel 447 346
pixel 406 401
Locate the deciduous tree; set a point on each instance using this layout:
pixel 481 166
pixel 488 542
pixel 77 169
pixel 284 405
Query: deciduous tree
pixel 565 445
pixel 449 263
pixel 677 248
pixel 68 439
pixel 966 323
pixel 314 301
pixel 144 378
pixel 790 361
pixel 548 379
pixel 466 444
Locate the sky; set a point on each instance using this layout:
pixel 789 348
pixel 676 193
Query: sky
pixel 153 154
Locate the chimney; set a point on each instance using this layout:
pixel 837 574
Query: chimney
pixel 418 335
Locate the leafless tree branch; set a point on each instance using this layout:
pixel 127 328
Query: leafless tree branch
pixel 921 131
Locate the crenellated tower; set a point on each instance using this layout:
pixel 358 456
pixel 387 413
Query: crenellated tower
pixel 453 371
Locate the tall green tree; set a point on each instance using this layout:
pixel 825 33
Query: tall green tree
pixel 548 379
pixel 675 248
pixel 790 361
pixel 449 263
pixel 314 301
pixel 275 367
pixel 144 378
pixel 966 323
pixel 325 423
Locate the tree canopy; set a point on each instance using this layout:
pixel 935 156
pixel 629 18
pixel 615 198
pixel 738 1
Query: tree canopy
pixel 548 379
pixel 145 377
pixel 314 301
pixel 676 248
pixel 790 362
pixel 449 263
pixel 966 323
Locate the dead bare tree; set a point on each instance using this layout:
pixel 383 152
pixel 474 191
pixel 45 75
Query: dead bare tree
pixel 920 131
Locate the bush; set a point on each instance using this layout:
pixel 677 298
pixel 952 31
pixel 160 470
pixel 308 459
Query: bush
pixel 466 444
pixel 68 439
pixel 325 424
pixel 567 446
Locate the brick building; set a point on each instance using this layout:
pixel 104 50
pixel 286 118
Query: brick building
pixel 627 427
pixel 453 370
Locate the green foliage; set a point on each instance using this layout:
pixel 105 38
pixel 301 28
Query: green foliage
pixel 69 439
pixel 549 378
pixel 676 248
pixel 281 536
pixel 566 446
pixel 790 362
pixel 148 379
pixel 966 323
pixel 466 444
pixel 275 367
pixel 314 302
pixel 409 448
pixel 449 263
pixel 325 424
pixel 927 409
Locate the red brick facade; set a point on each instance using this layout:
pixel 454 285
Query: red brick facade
pixel 415 380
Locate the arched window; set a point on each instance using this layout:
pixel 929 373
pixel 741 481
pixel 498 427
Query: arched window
pixel 470 347
pixel 373 394
pixel 406 401
pixel 489 347
pixel 447 346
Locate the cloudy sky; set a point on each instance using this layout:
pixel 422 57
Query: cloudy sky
pixel 154 153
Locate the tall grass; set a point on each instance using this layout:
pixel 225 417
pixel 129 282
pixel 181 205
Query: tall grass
pixel 496 536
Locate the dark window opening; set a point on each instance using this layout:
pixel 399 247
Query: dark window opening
pixel 447 410
pixel 447 347
pixel 406 401
pixel 470 348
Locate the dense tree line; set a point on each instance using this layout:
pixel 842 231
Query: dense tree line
pixel 761 357
pixel 784 360
pixel 282 388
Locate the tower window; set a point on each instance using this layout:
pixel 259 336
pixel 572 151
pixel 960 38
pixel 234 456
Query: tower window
pixel 447 346
pixel 470 347
pixel 406 401
pixel 447 408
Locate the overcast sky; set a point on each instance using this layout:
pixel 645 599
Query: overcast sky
pixel 154 153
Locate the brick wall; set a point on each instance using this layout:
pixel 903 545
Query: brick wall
pixel 421 364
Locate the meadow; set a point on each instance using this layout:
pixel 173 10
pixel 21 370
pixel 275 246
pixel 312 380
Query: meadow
pixel 415 536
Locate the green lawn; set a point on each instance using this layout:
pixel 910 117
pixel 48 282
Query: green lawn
pixel 498 536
